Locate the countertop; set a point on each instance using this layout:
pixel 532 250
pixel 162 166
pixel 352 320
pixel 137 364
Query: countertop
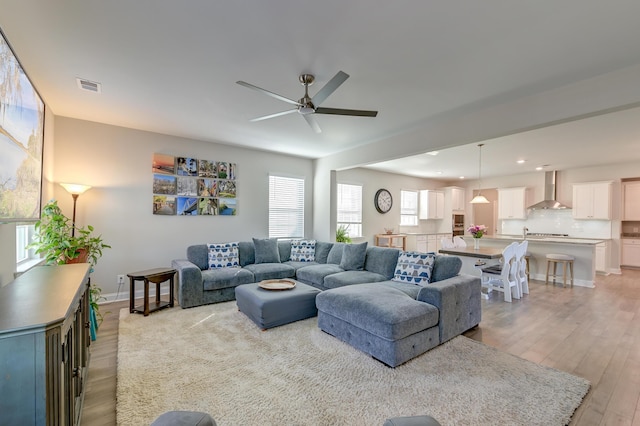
pixel 533 239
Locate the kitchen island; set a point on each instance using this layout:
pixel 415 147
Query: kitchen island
pixel 583 249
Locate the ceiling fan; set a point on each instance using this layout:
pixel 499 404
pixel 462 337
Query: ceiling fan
pixel 307 106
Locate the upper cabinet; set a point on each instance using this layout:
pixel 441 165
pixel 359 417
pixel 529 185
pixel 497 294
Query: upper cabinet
pixel 457 198
pixel 431 204
pixel 631 200
pixel 512 203
pixel 592 200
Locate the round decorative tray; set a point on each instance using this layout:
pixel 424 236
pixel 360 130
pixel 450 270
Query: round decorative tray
pixel 277 284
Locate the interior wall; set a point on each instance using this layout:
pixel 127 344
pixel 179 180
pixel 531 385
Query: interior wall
pixel 375 222
pixel 116 162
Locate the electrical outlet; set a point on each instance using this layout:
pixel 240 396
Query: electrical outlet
pixel 120 279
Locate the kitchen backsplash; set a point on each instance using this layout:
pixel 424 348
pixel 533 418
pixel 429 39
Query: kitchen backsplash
pixel 557 222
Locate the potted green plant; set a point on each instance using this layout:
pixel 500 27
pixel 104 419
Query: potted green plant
pixel 342 234
pixel 58 243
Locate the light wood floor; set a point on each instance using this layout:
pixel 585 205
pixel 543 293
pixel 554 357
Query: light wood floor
pixel 592 333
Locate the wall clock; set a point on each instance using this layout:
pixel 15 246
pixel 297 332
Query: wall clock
pixel 383 200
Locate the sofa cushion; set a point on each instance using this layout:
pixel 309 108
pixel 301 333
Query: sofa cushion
pixel 247 252
pixel 303 250
pixel 266 250
pixel 199 255
pixel 216 279
pixel 284 248
pixel 314 274
pixel 445 267
pixel 398 315
pixel 223 255
pixel 322 251
pixel 382 260
pixel 335 253
pixel 341 279
pixel 414 267
pixel 353 256
pixel 271 271
pixel 298 265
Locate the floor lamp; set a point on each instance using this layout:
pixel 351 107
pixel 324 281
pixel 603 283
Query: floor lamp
pixel 75 190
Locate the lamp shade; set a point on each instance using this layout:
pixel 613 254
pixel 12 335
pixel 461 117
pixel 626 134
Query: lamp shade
pixel 479 199
pixel 75 188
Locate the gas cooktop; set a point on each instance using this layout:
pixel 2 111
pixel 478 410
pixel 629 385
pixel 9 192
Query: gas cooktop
pixel 541 234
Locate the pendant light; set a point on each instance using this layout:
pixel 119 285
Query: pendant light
pixel 480 199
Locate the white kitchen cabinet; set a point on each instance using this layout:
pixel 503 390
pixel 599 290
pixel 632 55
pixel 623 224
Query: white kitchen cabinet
pixel 592 200
pixel 512 203
pixel 431 205
pixel 631 200
pixel 457 199
pixel 421 243
pixel 630 252
pixel 601 257
pixel 432 243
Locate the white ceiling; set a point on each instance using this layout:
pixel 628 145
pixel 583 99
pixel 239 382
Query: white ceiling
pixel 170 67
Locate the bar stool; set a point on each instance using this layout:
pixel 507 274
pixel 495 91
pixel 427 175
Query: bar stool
pixel 565 259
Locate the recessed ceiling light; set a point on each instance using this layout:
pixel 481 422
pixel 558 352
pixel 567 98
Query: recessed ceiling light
pixel 438 173
pixel 434 153
pixel 539 168
pixel 461 177
pixel 520 161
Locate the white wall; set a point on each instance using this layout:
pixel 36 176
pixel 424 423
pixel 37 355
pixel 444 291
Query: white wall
pixel 116 162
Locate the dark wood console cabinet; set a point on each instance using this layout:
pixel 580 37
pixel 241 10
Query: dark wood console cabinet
pixel 44 345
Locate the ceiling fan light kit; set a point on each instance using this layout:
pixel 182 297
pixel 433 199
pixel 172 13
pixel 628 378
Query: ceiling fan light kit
pixel 307 106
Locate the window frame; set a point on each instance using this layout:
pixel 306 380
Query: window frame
pixel 277 223
pixel 409 218
pixel 354 227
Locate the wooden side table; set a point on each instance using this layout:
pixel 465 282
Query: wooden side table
pixel 157 276
pixel 389 240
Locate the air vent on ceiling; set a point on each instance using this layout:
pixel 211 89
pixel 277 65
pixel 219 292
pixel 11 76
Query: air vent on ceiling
pixel 88 85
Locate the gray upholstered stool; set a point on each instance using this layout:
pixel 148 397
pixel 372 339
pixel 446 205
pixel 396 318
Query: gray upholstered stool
pixel 412 421
pixel 566 261
pixel 184 418
pixel 268 308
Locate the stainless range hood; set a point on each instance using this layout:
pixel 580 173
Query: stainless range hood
pixel 549 202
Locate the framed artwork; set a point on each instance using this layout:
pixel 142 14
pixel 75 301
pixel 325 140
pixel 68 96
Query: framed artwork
pixel 186 186
pixel 21 141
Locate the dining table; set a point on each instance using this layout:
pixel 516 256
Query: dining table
pixel 473 259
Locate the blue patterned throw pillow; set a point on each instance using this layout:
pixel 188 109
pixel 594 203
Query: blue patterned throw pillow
pixel 414 268
pixel 223 255
pixel 303 250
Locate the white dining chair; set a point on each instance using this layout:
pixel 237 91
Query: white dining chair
pixel 446 243
pixel 521 260
pixel 503 277
pixel 458 242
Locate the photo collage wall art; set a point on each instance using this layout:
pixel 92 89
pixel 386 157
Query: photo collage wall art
pixel 186 186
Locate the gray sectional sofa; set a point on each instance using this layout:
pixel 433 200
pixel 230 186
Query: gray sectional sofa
pixel 362 303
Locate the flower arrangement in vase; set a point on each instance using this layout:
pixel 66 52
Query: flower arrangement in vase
pixel 476 231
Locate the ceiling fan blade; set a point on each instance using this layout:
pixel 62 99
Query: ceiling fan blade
pixel 268 93
pixel 312 122
pixel 277 114
pixel 341 111
pixel 329 88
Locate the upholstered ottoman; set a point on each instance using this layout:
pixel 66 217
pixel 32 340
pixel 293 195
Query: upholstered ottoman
pixel 271 308
pixel 184 418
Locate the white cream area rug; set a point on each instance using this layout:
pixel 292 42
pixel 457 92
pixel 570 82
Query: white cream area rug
pixel 214 359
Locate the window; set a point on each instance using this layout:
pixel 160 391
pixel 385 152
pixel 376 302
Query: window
pixel 24 234
pixel 408 208
pixel 350 209
pixel 286 207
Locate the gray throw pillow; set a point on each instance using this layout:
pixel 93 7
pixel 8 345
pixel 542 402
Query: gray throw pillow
pixel 266 250
pixel 353 256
